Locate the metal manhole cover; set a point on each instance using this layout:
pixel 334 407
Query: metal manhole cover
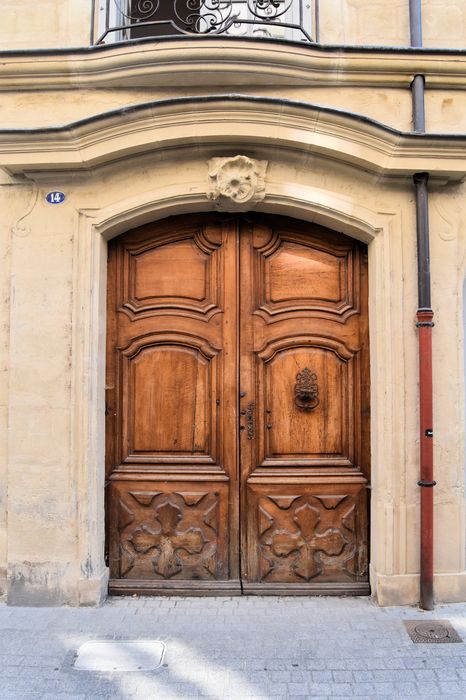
pixel 432 632
pixel 114 656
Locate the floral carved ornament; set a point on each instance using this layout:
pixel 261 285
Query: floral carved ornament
pixel 236 183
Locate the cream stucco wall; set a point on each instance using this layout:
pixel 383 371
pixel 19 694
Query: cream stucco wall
pixel 377 23
pixel 55 456
pixel 128 164
pixel 373 84
pixel 51 24
pixel 46 24
pixel 20 110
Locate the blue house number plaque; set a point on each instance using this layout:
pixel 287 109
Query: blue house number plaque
pixel 55 197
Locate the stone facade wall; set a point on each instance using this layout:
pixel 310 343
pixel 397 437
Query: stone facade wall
pixel 49 24
pixel 136 165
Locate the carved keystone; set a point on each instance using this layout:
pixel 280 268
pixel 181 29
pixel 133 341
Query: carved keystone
pixel 236 183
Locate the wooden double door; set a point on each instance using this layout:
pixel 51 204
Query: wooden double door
pixel 237 408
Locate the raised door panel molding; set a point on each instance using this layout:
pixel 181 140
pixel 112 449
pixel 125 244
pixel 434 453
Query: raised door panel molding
pixel 162 532
pixel 171 385
pixel 177 275
pixel 300 275
pixel 306 406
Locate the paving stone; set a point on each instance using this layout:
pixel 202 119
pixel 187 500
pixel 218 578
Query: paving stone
pixel 446 674
pixel 298 689
pixel 394 664
pixel 405 688
pixel 319 689
pixel 322 676
pixel 342 676
pixel 363 676
pixel 279 676
pixel 364 689
pixel 315 664
pixel 383 676
pixel 428 689
pixel 356 665
pixel 450 687
pixel 277 690
pixel 233 648
pixel 340 689
pixel 384 688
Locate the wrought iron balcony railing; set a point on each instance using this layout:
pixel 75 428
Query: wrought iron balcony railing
pixel 122 20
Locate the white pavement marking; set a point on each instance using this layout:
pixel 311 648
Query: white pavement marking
pixel 106 657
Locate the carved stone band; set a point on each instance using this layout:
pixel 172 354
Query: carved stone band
pixel 236 183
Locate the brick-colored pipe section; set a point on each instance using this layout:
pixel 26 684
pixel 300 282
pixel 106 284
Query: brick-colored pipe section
pixel 425 324
pixel 426 482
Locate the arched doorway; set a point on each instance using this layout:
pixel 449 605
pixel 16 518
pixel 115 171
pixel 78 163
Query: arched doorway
pixel 237 408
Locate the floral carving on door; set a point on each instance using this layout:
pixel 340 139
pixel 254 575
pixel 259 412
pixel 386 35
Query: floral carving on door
pixel 168 535
pixel 304 537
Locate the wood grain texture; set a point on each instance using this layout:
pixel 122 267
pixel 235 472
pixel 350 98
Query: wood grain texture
pixel 237 407
pixel 168 532
pixel 308 531
pixel 171 403
pixel 303 355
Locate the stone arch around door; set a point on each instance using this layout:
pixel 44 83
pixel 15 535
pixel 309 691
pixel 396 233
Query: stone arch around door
pixel 238 449
pixel 96 227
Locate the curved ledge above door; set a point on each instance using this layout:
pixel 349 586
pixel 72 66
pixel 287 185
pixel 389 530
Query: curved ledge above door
pixel 218 124
pixel 228 61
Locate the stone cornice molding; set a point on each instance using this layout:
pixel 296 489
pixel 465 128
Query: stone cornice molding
pixel 215 123
pixel 204 60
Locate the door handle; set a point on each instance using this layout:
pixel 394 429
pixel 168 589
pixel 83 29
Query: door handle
pixel 250 420
pixel 306 390
pixel 248 412
pixel 269 424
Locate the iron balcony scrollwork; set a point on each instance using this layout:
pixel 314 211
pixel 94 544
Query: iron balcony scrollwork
pixel 122 20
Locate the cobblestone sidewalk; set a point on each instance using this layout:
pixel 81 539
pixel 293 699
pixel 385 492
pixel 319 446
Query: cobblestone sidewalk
pixel 237 648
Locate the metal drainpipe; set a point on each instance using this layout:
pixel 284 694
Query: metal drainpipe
pixel 424 318
pixel 415 22
pixel 424 324
pixel 417 92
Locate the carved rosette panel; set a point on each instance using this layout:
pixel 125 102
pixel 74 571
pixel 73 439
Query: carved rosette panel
pixel 168 535
pixel 236 184
pixel 311 537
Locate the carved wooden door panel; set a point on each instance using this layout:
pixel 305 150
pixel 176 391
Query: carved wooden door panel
pixel 237 408
pixel 172 489
pixel 305 409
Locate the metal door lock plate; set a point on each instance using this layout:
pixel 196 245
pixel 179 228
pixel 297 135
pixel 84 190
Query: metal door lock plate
pixel 432 632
